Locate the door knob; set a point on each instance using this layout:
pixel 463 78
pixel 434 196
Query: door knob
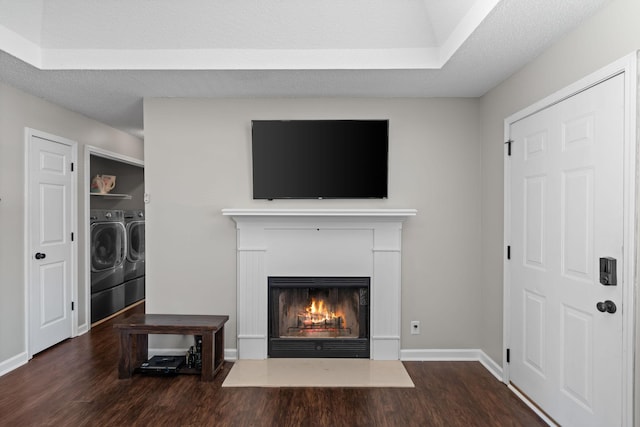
pixel 607 306
pixel 40 255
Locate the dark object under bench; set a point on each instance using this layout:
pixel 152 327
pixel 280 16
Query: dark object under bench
pixel 133 351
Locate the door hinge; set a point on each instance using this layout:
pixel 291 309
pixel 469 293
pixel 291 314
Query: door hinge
pixel 71 166
pixel 509 147
pixel 508 252
pixel 73 305
pixel 72 236
pixel 508 355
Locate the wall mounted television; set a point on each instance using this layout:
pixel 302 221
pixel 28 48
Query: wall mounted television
pixel 320 159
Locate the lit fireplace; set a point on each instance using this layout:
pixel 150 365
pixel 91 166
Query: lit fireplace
pixel 316 320
pixel 319 317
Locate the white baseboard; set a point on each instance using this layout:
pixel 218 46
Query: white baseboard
pixel 475 355
pixel 440 355
pixel 231 354
pixel 83 329
pixel 492 366
pixel 533 407
pixel 13 363
pixel 166 351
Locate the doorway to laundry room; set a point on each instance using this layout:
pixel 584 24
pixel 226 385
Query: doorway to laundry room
pixel 116 246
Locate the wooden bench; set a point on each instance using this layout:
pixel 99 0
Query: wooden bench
pixel 133 352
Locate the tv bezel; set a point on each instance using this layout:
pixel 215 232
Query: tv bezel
pixel 316 197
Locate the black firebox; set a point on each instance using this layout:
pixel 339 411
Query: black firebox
pixel 319 317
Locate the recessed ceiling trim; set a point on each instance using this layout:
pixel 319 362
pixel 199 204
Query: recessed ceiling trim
pixel 467 25
pixel 20 47
pixel 395 58
pixel 240 59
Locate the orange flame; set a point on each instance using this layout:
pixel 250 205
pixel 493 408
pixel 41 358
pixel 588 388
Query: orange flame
pixel 317 313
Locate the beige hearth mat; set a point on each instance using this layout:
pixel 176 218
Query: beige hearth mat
pixel 318 373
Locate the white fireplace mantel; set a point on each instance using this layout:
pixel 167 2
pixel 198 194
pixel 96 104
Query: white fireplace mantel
pixel 398 214
pixel 319 242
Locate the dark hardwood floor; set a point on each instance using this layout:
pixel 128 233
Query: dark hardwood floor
pixel 76 384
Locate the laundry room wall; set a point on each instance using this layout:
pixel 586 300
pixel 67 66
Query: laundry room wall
pixel 17 111
pixel 129 181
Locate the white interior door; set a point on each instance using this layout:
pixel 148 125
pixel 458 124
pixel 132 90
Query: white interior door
pixel 51 212
pixel 566 213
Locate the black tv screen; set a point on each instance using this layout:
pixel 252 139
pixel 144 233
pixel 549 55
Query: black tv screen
pixel 313 159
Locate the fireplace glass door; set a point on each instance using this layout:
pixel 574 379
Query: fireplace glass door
pixel 319 317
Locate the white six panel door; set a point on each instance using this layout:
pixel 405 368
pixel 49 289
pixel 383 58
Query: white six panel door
pixel 566 213
pixel 50 205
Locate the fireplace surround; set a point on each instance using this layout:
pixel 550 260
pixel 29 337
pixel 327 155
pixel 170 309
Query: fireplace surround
pixel 319 243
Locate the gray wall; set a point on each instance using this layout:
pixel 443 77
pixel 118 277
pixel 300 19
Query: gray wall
pixel 17 111
pixel 198 161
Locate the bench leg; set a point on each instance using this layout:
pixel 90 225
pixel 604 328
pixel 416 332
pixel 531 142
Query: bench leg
pixel 218 350
pixel 124 363
pixel 130 359
pixel 142 349
pixel 207 357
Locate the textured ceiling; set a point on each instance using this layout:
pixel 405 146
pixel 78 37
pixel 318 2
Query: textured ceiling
pixel 102 57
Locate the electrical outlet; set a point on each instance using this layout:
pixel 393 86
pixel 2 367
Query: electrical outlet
pixel 415 327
